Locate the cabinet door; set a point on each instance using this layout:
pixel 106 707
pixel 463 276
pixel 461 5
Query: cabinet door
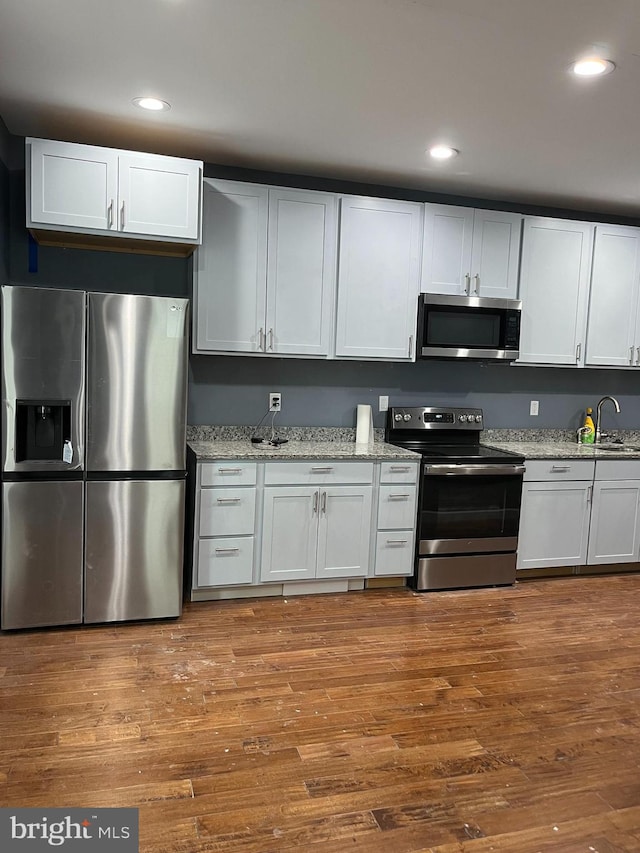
pixel 344 532
pixel 446 253
pixel 301 271
pixel 378 278
pixel 554 286
pixel 231 278
pixel 495 254
pixel 72 185
pixel 613 302
pixel 615 522
pixel 554 524
pixel 289 533
pixel 159 196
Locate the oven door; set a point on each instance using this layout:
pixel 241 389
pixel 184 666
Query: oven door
pixel 468 509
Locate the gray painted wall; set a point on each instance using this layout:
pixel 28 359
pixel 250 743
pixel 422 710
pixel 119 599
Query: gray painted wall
pixel 233 390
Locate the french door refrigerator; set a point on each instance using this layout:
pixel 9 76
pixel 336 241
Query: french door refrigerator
pixel 94 389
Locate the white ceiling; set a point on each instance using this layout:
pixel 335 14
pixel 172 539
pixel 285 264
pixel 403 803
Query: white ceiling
pixel 351 89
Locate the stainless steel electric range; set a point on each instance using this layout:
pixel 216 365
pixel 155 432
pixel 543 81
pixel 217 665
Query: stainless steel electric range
pixel 469 505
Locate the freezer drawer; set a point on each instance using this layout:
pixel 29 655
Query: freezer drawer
pixel 136 383
pixel 134 549
pixel 41 554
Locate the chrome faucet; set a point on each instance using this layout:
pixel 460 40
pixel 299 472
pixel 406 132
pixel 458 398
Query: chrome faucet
pixel 598 436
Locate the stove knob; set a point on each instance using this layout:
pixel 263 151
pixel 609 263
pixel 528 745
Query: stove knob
pixel 407 417
pixel 478 418
pixel 462 418
pixel 397 417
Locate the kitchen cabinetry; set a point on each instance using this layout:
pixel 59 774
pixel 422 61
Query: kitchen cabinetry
pixel 555 513
pixel 470 252
pixel 319 524
pixel 554 289
pixel 396 519
pixel 225 524
pixel 102 191
pixel 378 278
pixel 265 278
pixel 613 333
pixel 615 517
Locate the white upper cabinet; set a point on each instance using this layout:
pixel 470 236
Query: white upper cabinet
pixel 554 289
pixel 101 191
pixel 265 276
pixel 613 332
pixel 378 278
pixel 470 252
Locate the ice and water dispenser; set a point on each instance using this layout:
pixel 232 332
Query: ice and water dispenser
pixel 43 430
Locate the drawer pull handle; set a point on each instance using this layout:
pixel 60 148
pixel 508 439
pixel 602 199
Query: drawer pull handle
pixel 228 500
pixel 399 468
pixel 229 470
pixel 227 550
pixel 397 541
pixel 558 468
pixel 399 497
pixel 322 467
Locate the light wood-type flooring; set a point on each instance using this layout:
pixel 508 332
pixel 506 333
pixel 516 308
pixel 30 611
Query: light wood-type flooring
pixel 376 722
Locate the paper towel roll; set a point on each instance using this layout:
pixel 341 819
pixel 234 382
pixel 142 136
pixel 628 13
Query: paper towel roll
pixel 364 424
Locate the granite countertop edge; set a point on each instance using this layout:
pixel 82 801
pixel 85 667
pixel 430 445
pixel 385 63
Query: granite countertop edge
pixel 563 450
pixel 242 449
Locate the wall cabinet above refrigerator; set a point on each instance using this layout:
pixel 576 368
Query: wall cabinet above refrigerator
pixel 99 197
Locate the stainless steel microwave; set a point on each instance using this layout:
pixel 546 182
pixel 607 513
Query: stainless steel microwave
pixel 470 327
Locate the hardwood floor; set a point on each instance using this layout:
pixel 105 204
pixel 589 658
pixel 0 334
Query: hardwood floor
pixel 379 721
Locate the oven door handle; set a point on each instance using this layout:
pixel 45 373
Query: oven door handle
pixel 475 470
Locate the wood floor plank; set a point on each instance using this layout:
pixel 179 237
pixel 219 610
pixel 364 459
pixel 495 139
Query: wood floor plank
pixel 384 721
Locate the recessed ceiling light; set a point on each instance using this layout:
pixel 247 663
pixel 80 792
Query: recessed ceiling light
pixel 443 152
pixel 592 66
pixel 152 104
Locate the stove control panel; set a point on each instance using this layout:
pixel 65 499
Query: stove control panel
pixel 433 417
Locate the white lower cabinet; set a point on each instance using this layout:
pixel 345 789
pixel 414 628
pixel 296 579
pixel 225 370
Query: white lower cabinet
pixel 615 517
pixel 263 525
pixel 555 513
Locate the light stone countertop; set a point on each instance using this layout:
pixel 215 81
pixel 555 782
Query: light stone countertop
pixel 566 450
pixel 243 449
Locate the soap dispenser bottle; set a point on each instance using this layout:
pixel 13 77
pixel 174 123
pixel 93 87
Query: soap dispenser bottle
pixel 588 429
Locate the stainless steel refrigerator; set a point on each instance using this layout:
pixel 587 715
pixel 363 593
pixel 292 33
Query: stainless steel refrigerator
pixel 94 389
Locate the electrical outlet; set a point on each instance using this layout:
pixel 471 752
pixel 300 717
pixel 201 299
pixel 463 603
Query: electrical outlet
pixel 275 401
pixel 534 407
pixel 383 404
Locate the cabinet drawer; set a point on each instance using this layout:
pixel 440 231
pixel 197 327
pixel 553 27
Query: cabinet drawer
pixel 397 507
pixel 394 553
pixel 618 469
pixel 227 473
pixel 227 512
pixel 317 471
pixel 559 469
pixel 225 561
pixel 399 472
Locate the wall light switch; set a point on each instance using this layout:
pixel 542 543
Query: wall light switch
pixel 383 404
pixel 534 407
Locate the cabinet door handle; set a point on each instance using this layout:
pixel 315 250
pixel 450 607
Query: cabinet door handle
pixel 229 470
pixel 227 550
pixel 271 339
pixel 322 467
pixel 410 345
pixel 122 217
pixel 315 502
pixel 324 503
pixel 260 339
pixel 638 355
pixel 578 352
pixel 110 214
pixel 477 280
pixel 228 500
pixel 467 284
pixel 399 497
pixel 631 351
pixel 397 541
pixel 589 494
